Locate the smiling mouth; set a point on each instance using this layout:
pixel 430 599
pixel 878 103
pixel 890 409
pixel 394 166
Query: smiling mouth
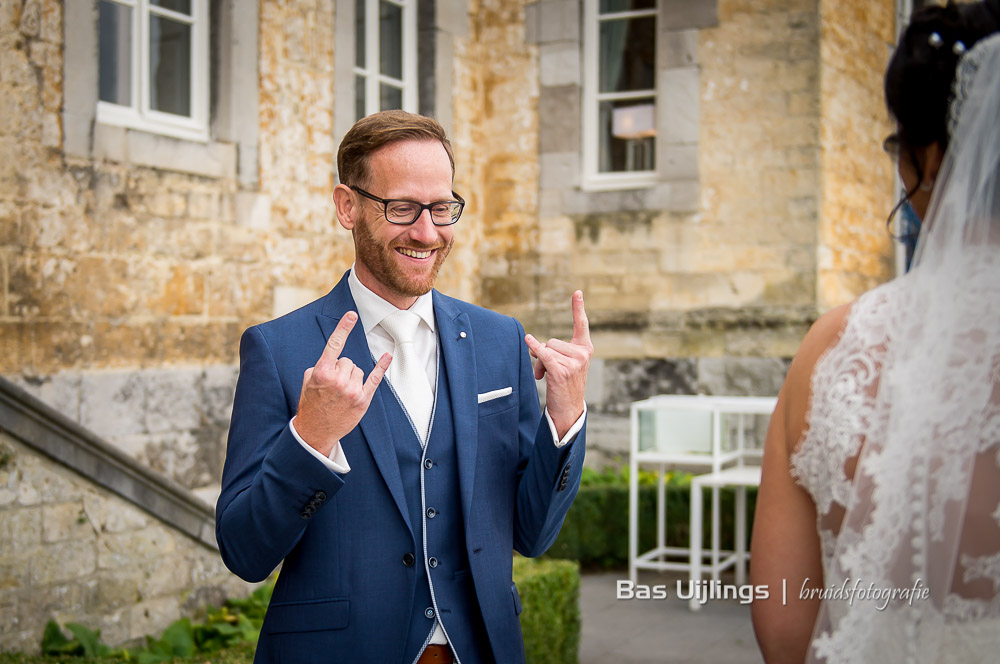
pixel 414 254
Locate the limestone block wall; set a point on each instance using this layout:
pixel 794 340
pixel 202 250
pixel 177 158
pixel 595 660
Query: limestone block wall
pixel 130 264
pixel 855 248
pixel 74 552
pixel 707 280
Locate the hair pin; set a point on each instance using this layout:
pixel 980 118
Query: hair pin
pixel 935 40
pixel 958 48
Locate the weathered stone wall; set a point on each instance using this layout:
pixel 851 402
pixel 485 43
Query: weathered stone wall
pixel 856 250
pixel 707 281
pixel 138 280
pixel 76 553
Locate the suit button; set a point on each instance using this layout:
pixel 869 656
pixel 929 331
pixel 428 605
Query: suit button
pixel 429 612
pixel 433 562
pixel 408 559
pixel 431 512
pixel 320 496
pixel 428 463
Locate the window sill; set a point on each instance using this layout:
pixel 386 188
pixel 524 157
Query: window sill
pixel 618 181
pixel 134 146
pixel 119 116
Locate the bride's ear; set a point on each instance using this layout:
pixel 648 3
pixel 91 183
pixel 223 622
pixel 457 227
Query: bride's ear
pixel 932 159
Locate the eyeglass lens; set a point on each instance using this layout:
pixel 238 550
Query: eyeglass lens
pixel 405 212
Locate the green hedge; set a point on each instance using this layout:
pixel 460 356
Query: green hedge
pixel 550 615
pixel 241 654
pixel 596 529
pixel 550 621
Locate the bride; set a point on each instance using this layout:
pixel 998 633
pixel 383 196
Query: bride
pixel 877 528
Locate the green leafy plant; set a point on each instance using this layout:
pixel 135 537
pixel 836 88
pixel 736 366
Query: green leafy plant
pixel 235 623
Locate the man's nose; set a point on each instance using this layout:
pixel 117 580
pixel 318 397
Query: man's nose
pixel 423 229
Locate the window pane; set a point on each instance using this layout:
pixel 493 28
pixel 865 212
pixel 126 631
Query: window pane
pixel 627 135
pixel 390 39
pixel 610 6
pixel 359 97
pixel 179 6
pixel 169 66
pixel 391 97
pixel 628 54
pixel 115 75
pixel 359 33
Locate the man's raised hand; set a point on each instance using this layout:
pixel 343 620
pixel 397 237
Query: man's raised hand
pixel 335 395
pixel 564 365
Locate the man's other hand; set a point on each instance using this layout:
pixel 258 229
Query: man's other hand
pixel 335 395
pixel 564 366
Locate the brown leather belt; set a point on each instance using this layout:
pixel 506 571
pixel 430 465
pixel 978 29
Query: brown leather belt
pixel 436 654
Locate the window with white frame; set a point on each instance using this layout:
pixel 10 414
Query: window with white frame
pixel 153 66
pixel 385 56
pixel 619 93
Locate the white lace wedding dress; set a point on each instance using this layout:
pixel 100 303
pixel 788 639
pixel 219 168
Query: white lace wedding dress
pixel 959 620
pixel 901 451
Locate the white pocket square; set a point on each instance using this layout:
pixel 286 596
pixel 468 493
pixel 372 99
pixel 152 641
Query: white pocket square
pixel 494 394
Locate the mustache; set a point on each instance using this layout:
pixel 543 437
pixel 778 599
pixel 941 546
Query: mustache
pixel 420 246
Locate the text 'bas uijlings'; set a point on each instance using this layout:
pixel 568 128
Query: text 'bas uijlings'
pixel 700 591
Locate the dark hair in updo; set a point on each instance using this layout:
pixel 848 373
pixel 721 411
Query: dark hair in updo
pixel 918 82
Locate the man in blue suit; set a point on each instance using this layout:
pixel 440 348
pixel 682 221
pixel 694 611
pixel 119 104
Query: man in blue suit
pixel 394 507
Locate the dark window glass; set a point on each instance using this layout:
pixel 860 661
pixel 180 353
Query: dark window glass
pixel 115 58
pixel 179 6
pixel 627 54
pixel 611 6
pixel 359 97
pixel 169 66
pixel 390 39
pixel 390 97
pixel 359 34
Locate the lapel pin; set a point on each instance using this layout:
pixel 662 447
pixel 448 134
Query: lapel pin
pixel 462 335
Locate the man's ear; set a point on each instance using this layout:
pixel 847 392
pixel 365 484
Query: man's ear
pixel 347 204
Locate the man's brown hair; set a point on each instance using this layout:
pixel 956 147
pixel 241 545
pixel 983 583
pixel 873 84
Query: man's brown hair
pixel 378 130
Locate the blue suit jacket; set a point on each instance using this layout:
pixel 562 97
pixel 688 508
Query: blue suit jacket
pixel 342 587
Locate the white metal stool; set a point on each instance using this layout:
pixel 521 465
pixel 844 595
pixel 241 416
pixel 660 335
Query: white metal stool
pixel 740 477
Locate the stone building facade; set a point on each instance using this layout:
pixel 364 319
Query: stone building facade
pixel 130 261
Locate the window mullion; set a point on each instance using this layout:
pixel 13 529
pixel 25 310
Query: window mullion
pixel 199 63
pixel 590 69
pixel 143 59
pixel 176 16
pixel 373 62
pixel 617 16
pixel 409 56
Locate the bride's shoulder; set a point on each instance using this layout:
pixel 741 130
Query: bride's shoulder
pixel 796 391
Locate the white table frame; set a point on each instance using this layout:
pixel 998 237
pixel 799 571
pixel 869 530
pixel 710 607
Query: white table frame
pixel 714 463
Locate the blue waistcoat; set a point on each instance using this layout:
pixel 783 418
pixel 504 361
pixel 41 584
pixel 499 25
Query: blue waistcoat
pixel 444 587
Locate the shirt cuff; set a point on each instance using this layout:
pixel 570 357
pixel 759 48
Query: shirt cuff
pixel 570 435
pixel 337 461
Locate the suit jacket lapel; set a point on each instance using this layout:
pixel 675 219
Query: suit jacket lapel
pixel 375 424
pixel 458 346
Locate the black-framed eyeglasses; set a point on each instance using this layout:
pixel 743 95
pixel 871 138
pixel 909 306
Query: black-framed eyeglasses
pixel 404 212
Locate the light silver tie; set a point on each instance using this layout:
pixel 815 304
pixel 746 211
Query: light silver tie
pixel 407 373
